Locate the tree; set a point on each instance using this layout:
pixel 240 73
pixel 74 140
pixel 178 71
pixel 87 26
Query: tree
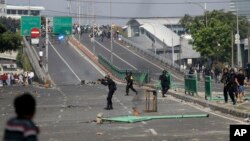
pixel 214 40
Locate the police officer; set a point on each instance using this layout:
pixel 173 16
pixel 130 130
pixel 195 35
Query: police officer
pixel 107 81
pixel 230 85
pixel 130 81
pixel 164 83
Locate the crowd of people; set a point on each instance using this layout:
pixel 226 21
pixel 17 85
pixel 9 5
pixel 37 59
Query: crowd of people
pixel 10 79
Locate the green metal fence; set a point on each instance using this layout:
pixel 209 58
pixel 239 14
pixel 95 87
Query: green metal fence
pixel 139 77
pixel 208 87
pixel 191 84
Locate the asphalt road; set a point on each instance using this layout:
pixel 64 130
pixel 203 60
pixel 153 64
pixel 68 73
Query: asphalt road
pixel 64 112
pixel 131 58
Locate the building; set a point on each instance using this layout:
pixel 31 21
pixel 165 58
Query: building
pixel 163 36
pixel 16 12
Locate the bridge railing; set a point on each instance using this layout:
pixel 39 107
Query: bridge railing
pixel 152 55
pixel 139 77
pixel 34 62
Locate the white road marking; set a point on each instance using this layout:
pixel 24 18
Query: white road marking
pixel 64 61
pixel 143 122
pixel 117 56
pixel 153 131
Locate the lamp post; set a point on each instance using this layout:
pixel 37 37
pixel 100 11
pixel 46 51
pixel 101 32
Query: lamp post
pixel 29 8
pixel 111 32
pixel 203 8
pixel 237 36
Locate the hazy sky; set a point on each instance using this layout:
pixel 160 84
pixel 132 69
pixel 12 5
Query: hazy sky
pixel 166 8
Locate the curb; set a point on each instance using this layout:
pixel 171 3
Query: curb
pixel 212 106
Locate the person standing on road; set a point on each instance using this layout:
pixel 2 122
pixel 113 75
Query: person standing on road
pixel 164 82
pixel 130 82
pixel 230 85
pixel 41 54
pixel 107 81
pixel 240 82
pixel 21 127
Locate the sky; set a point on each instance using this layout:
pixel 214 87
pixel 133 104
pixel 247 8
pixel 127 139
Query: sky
pixel 125 8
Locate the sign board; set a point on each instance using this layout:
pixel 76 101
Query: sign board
pixel 34 41
pixel 62 25
pixel 189 61
pixel 29 22
pixel 35 32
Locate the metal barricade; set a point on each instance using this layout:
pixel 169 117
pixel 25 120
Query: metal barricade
pixel 208 87
pixel 191 84
pixel 151 101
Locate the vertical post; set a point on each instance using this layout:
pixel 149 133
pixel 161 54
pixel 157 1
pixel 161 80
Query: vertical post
pixel 205 12
pixel 238 42
pixel 172 40
pixel 164 49
pixel 46 47
pixel 79 21
pixel 111 34
pixel 93 27
pixel 29 8
pixel 232 50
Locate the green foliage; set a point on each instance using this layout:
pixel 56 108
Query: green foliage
pixel 9 41
pixel 11 24
pixel 26 63
pixel 214 40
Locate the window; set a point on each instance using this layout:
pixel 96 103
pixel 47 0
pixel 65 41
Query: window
pixel 25 12
pixel 20 12
pixel 8 11
pixel 12 11
pixel 34 12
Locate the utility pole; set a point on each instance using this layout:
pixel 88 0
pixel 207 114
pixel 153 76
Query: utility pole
pixel 111 32
pixel 46 47
pixel 93 6
pixel 29 8
pixel 238 40
pixel 79 21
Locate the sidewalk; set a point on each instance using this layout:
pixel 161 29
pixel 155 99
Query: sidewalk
pixel 241 110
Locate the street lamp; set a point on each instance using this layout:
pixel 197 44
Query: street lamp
pixel 111 32
pixel 203 8
pixel 29 7
pixel 238 37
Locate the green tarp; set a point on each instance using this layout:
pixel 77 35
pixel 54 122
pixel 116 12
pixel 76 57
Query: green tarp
pixel 133 119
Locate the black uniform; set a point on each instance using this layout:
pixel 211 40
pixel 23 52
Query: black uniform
pixel 112 88
pixel 230 86
pixel 164 83
pixel 130 81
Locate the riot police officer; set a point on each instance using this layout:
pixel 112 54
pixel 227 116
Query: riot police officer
pixel 130 81
pixel 229 80
pixel 107 81
pixel 164 82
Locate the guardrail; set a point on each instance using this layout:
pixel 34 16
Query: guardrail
pixel 34 62
pixel 139 77
pixel 150 54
